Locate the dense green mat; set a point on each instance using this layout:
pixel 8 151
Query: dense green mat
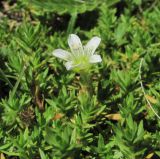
pixel 105 110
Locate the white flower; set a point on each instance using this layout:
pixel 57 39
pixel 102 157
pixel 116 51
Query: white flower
pixel 80 57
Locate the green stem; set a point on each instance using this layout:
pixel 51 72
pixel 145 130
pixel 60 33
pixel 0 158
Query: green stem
pixel 18 82
pixel 5 78
pixel 72 23
pixel 86 84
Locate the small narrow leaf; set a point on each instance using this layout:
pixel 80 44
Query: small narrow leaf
pixel 116 116
pixel 2 156
pixel 42 154
pixel 151 99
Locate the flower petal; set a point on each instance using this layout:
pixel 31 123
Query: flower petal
pixel 95 59
pixel 65 55
pixel 69 65
pixel 75 45
pixel 92 45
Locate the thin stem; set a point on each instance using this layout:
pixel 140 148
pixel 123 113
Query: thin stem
pixel 86 83
pixel 18 82
pixel 72 23
pixel 5 78
pixel 142 87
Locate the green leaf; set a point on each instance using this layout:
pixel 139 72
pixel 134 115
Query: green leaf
pixel 158 153
pixel 43 156
pixel 140 132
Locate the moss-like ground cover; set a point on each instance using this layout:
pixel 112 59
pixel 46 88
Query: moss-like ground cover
pixel 109 110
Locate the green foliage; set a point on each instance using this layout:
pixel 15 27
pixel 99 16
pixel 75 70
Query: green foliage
pixel 60 7
pixel 48 112
pixel 129 138
pixel 27 37
pixel 12 106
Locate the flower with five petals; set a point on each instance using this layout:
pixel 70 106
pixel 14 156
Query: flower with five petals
pixel 80 58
